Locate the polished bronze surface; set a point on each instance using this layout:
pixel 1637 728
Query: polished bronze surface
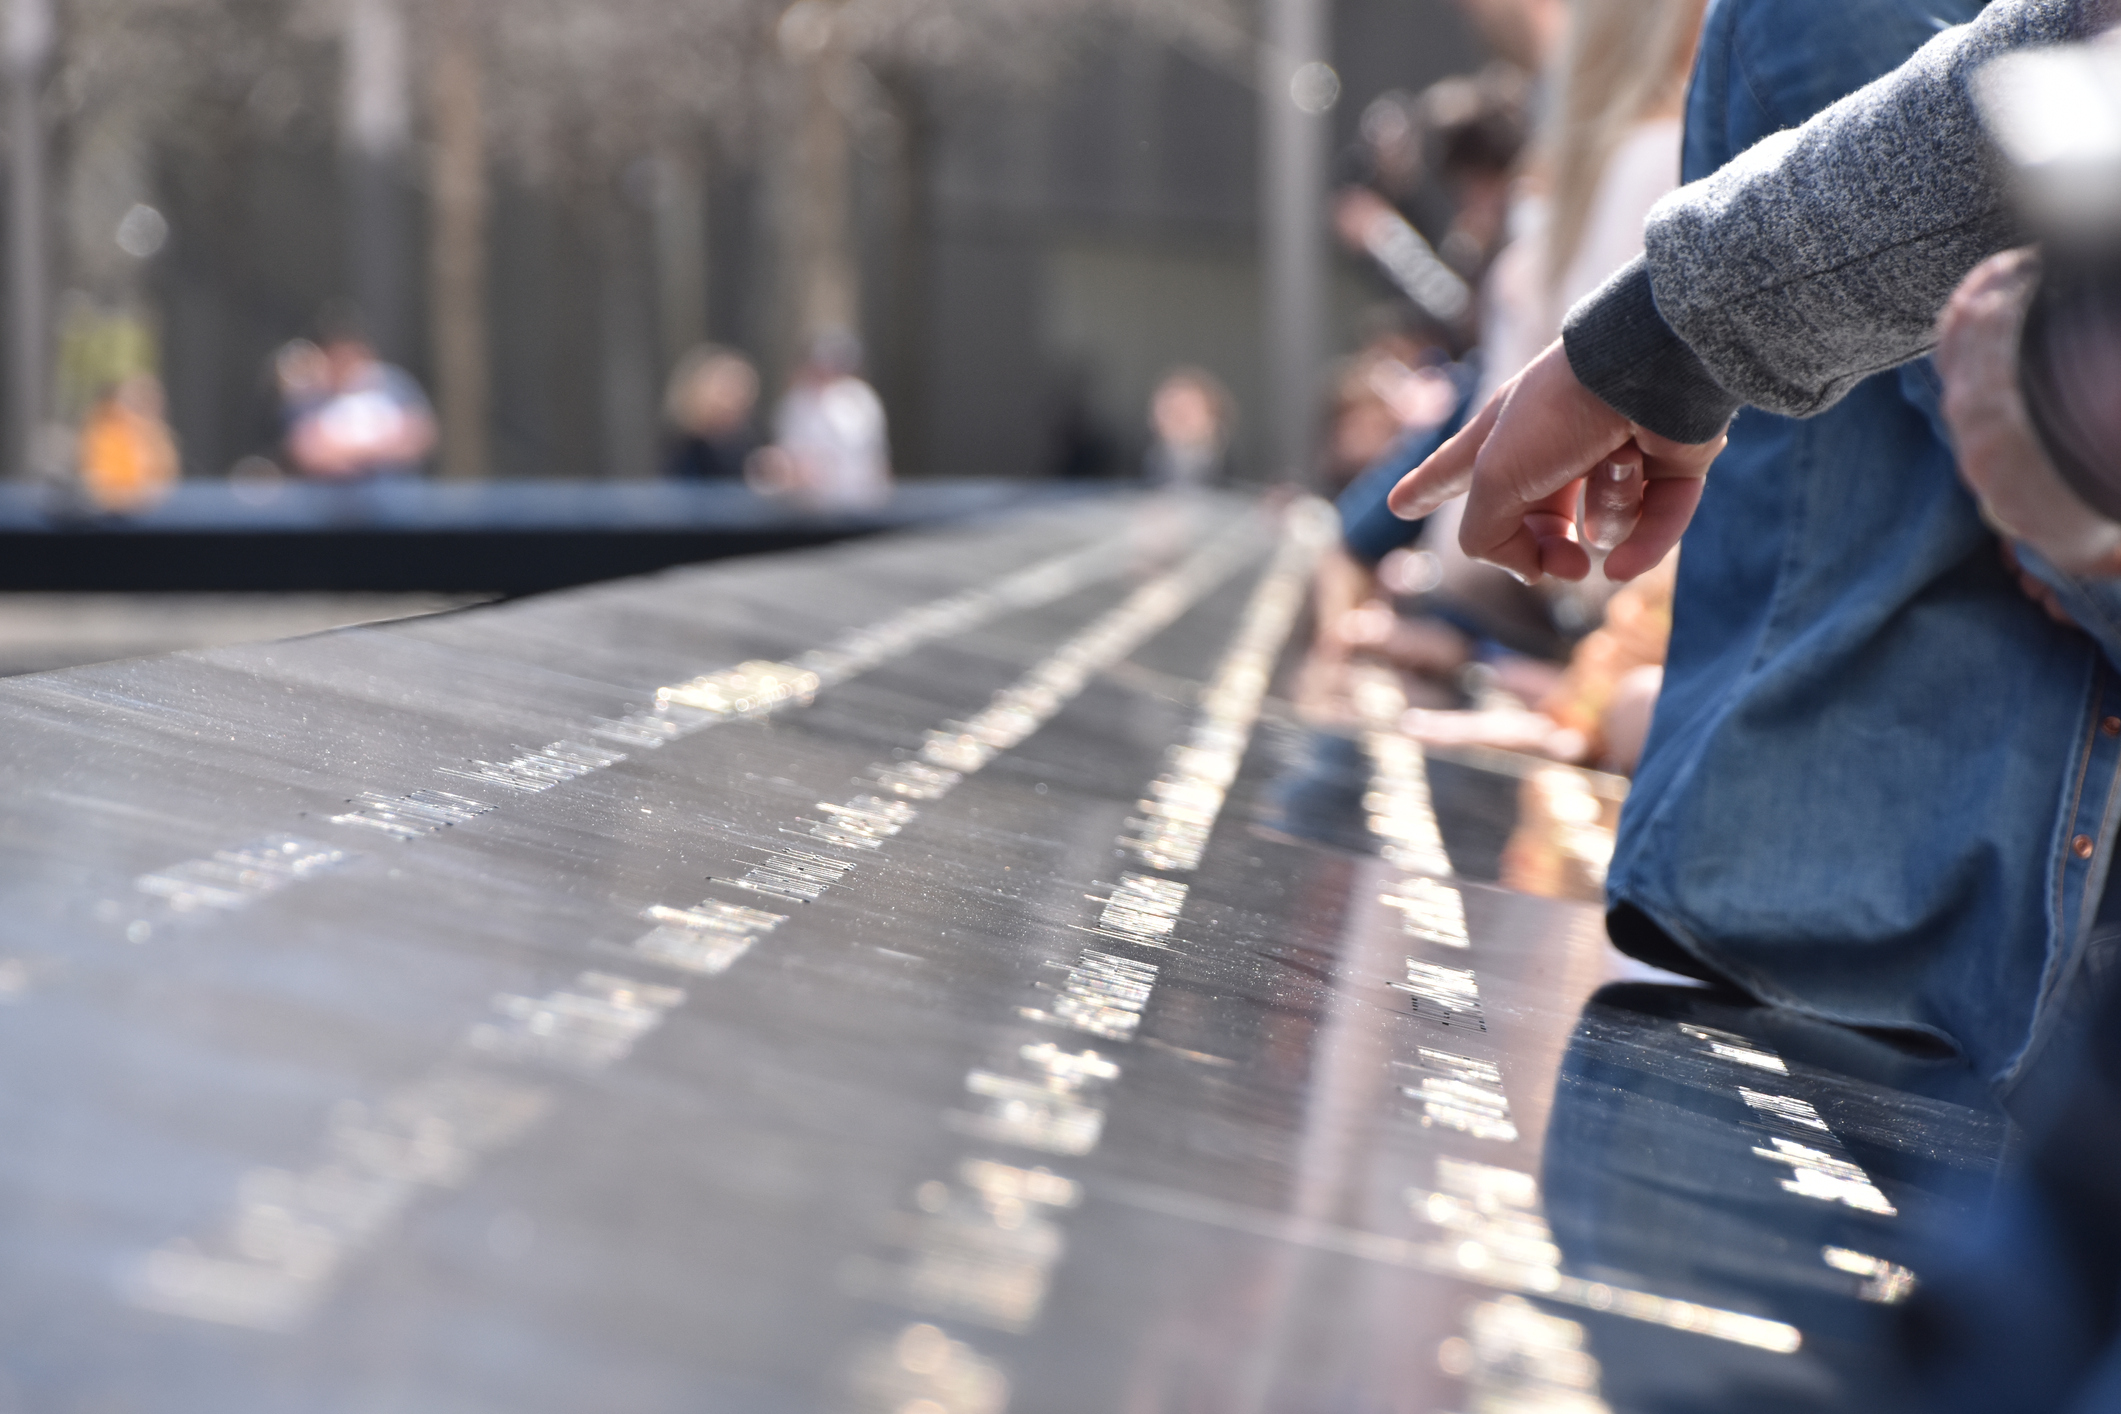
pixel 935 975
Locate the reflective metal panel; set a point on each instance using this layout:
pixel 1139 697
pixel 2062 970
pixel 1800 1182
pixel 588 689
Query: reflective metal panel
pixel 888 978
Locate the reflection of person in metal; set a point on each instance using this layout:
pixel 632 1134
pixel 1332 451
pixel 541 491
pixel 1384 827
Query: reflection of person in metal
pixel 2017 1311
pixel 830 450
pixel 351 416
pixel 1748 1158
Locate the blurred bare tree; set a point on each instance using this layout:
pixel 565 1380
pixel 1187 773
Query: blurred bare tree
pixel 616 100
pixel 456 263
pixel 586 92
pixel 622 105
pixel 89 80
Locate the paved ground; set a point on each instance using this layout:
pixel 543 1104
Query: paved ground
pixel 39 632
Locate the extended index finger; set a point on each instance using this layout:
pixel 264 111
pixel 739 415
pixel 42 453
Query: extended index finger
pixel 1447 472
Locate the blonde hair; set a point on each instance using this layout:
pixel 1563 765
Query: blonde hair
pixel 1624 61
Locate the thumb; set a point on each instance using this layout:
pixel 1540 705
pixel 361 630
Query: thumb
pixel 1612 498
pixel 1671 489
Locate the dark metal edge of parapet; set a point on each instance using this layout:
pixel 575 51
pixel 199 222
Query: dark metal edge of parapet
pixel 495 560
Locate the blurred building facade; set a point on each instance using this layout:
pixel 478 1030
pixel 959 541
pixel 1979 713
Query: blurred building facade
pixel 1031 256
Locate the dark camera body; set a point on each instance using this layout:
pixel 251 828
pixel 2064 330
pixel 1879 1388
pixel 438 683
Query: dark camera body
pixel 2069 365
pixel 2056 121
pixel 2055 117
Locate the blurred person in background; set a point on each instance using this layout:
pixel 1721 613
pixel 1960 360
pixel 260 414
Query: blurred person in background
pixel 350 416
pixel 1395 386
pixel 301 381
pixel 128 457
pixel 1473 132
pixel 1441 161
pixel 125 457
pixel 1526 32
pixel 830 450
pixel 1424 193
pixel 1607 150
pixel 712 395
pixel 1362 421
pixel 1386 161
pixel 1189 431
pixel 1597 712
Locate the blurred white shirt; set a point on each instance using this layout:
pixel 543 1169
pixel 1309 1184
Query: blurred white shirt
pixel 835 434
pixel 1521 315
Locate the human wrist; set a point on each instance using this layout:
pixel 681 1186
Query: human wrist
pixel 1624 353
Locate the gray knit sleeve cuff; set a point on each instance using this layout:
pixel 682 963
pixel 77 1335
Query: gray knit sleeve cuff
pixel 1622 350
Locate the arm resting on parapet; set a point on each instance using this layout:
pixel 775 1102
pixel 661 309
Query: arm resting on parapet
pixel 1821 255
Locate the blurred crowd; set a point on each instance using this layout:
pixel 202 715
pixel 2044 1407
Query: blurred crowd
pixel 344 417
pixel 1484 207
pixel 341 416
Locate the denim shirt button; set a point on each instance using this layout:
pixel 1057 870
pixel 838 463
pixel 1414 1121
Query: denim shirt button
pixel 2082 846
pixel 2111 726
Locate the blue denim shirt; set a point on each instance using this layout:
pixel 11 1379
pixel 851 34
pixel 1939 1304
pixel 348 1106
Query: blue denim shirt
pixel 1877 787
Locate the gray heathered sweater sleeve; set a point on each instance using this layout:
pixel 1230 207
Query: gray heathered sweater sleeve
pixel 1822 254
pixel 1621 349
